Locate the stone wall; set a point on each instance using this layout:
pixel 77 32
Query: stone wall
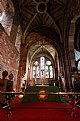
pixel 3 5
pixel 9 56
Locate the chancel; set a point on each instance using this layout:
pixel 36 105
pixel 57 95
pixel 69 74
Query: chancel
pixel 40 46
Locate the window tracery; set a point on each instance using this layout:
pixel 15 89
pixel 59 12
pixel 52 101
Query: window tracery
pixel 42 68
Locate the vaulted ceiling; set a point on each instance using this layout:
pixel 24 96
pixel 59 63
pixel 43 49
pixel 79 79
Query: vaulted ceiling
pixel 43 12
pixel 46 17
pixel 38 13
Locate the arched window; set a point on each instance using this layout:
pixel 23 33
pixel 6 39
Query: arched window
pixel 79 65
pixel 77 35
pixel 34 72
pixel 51 72
pixel 77 59
pixel 42 68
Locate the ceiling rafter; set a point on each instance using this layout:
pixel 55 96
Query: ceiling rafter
pixel 54 11
pixel 55 26
pixel 57 2
pixel 52 17
pixel 27 26
pixel 39 18
pixel 24 2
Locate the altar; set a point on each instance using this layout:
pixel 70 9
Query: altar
pixel 45 98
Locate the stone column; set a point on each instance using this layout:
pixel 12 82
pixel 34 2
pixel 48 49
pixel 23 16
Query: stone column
pixel 22 62
pixel 19 78
pixel 66 59
pixel 56 67
pixel 14 30
pixel 20 67
pixel 67 68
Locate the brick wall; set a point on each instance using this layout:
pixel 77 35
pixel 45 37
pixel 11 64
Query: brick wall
pixel 3 5
pixel 9 56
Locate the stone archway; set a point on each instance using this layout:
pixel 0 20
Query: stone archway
pixel 71 40
pixel 36 37
pixel 48 53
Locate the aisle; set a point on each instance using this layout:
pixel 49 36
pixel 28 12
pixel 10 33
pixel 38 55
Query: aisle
pixel 40 111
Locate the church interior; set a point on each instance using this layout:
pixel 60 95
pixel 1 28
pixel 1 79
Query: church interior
pixel 39 45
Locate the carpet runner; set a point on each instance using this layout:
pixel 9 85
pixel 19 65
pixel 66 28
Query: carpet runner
pixel 40 111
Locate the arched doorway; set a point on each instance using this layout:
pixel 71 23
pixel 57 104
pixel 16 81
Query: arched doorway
pixel 44 63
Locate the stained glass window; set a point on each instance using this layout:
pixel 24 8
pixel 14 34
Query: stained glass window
pixel 51 72
pixel 42 68
pixel 77 58
pixel 34 72
pixel 79 65
pixel 46 72
pixel 37 72
pixel 77 55
pixel 42 63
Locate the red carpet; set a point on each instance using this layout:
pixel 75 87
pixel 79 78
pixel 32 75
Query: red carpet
pixel 40 111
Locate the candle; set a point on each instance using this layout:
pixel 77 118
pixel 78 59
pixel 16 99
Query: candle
pixel 54 83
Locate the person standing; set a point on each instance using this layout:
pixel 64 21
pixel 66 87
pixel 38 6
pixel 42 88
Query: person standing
pixel 3 86
pixel 10 87
pixel 10 83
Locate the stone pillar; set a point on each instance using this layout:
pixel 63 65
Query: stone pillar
pixel 56 67
pixel 66 59
pixel 20 68
pixel 22 63
pixel 14 30
pixel 67 68
pixel 19 78
pixel 16 22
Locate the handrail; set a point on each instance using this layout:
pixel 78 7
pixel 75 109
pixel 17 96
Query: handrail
pixel 51 93
pixel 73 114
